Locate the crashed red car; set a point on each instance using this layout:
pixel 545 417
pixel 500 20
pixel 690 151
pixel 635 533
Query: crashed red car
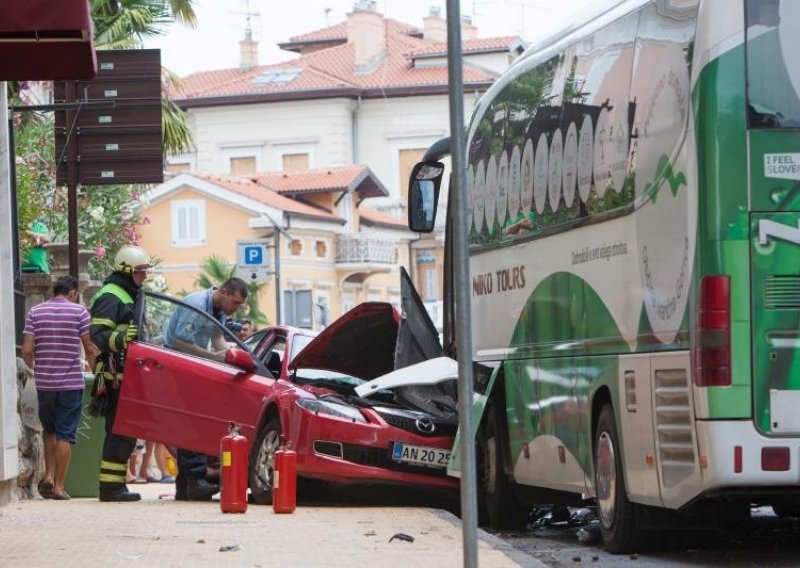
pixel 285 383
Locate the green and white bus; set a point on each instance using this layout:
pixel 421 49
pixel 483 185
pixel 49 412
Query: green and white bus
pixel 634 229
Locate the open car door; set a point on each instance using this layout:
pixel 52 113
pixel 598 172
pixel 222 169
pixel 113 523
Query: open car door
pixel 181 399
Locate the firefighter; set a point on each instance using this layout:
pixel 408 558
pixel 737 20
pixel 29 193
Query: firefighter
pixel 112 329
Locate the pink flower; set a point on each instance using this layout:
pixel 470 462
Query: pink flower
pixel 100 251
pixel 145 220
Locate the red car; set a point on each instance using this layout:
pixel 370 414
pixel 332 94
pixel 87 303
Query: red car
pixel 285 382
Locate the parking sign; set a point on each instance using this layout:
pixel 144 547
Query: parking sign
pixel 252 259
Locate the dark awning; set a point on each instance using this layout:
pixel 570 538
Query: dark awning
pixel 46 40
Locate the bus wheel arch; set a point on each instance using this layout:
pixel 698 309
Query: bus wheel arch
pixel 499 506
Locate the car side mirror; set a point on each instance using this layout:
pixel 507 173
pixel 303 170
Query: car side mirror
pixel 423 195
pixel 240 358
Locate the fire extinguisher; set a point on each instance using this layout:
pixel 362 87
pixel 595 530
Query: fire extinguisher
pixel 284 487
pixel 233 471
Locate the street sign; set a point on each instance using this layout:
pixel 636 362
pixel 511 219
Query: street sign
pixel 253 260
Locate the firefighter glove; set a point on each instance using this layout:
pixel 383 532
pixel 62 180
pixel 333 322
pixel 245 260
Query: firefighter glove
pixel 131 333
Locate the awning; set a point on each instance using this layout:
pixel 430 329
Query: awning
pixel 46 40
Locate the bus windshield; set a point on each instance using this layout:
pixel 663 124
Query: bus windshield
pixel 773 67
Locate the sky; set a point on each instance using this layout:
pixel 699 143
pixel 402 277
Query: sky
pixel 214 43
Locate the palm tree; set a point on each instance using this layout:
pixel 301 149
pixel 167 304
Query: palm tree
pixel 124 24
pixel 217 270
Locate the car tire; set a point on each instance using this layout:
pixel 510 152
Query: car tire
pixel 499 507
pixel 262 462
pixel 618 519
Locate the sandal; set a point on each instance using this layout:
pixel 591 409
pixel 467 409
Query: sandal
pixel 153 479
pixel 138 480
pixel 45 489
pixel 61 496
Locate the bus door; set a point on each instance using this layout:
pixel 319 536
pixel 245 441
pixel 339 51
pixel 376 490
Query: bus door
pixel 775 274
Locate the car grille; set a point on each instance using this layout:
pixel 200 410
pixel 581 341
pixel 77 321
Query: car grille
pixel 410 425
pixel 377 457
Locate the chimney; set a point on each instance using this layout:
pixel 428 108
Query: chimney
pixel 434 28
pixel 468 29
pixel 248 51
pixel 366 30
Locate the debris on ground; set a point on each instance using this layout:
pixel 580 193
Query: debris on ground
pixel 229 548
pixel 401 536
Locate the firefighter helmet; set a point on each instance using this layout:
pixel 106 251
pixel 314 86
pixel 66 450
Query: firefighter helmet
pixel 130 258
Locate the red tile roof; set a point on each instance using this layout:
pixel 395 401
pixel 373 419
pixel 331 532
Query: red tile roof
pixel 331 72
pixel 480 45
pixel 249 188
pixel 370 216
pixel 324 180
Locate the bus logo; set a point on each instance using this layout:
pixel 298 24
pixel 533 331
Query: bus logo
pixel 770 229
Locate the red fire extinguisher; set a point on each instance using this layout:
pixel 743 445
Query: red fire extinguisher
pixel 233 472
pixel 284 487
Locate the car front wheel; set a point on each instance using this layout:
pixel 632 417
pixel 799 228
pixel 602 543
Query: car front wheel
pixel 262 462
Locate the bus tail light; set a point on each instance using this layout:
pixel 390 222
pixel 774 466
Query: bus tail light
pixel 712 349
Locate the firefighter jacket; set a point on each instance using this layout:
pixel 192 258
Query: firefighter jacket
pixel 112 311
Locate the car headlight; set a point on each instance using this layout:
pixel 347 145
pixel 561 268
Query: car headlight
pixel 338 410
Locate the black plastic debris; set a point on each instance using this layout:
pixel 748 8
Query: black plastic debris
pixel 401 536
pixel 229 548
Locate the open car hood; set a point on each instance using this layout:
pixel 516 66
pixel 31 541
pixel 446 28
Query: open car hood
pixel 361 343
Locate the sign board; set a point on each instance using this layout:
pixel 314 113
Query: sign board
pixel 119 142
pixel 253 261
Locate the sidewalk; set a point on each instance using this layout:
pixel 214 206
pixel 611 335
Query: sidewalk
pixel 165 533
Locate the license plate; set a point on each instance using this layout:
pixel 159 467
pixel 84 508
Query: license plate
pixel 420 455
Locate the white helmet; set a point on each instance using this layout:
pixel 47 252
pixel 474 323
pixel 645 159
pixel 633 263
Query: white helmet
pixel 130 258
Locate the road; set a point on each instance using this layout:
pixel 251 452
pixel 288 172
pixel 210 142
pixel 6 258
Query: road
pixel 765 541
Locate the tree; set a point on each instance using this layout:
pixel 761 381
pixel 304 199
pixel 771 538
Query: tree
pixel 217 270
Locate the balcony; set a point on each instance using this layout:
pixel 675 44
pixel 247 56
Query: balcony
pixel 364 253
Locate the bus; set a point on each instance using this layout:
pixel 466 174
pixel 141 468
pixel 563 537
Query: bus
pixel 633 188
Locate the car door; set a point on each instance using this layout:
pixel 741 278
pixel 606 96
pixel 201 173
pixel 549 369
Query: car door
pixel 182 399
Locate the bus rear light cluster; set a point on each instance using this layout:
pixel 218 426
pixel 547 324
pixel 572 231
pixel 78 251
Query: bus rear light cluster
pixel 712 348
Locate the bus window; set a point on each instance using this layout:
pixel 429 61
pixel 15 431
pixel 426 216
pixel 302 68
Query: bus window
pixel 773 67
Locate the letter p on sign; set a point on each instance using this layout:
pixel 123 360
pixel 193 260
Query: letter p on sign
pixel 253 255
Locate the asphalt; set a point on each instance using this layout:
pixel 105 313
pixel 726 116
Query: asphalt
pixel 159 531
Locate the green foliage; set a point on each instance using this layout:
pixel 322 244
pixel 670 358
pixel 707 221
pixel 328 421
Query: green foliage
pixel 217 270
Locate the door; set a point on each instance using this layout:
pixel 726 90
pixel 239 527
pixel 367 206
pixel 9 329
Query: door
pixel 181 399
pixel 775 246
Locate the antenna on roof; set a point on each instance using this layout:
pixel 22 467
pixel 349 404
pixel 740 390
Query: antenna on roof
pixel 248 14
pixel 328 11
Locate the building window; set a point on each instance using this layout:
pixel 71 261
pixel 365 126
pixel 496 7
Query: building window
pixel 294 162
pixel 297 308
pixel 243 165
pixel 348 302
pixel 188 222
pixel 346 212
pixel 408 159
pixel 431 285
pixel 321 248
pixel 175 169
pixel 296 247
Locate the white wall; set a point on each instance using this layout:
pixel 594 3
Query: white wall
pixel 9 458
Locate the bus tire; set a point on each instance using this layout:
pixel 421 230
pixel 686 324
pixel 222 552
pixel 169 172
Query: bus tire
pixel 262 462
pixel 499 508
pixel 616 513
pixel 786 510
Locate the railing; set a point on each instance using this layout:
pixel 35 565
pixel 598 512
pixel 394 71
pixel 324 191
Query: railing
pixel 363 249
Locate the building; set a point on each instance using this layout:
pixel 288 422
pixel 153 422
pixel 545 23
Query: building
pixel 370 91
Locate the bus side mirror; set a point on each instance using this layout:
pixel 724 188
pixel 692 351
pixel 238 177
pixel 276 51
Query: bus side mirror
pixel 423 195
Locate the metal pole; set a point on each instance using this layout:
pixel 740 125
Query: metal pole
pixel 469 501
pixel 72 186
pixel 277 272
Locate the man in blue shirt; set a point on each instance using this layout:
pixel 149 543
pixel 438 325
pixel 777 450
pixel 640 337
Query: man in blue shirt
pixel 193 333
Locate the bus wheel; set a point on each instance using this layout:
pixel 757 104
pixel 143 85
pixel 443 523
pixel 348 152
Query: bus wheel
pixel 262 462
pixel 498 507
pixel 616 513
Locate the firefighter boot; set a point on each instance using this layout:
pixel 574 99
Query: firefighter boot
pixel 198 489
pixel 117 492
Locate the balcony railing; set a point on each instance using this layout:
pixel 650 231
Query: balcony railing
pixel 364 249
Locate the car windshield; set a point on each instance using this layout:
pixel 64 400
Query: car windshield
pixel 299 342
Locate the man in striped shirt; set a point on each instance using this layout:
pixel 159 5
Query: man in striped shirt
pixel 51 346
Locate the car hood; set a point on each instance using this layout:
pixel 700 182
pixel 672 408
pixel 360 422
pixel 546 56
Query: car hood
pixel 361 343
pixel 427 373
